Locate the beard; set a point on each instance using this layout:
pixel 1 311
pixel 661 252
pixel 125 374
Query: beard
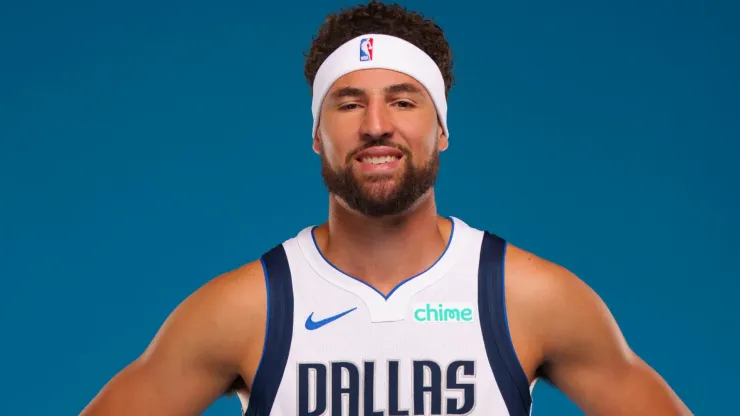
pixel 381 195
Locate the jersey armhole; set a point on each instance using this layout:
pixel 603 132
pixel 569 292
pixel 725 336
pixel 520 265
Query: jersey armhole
pixel 507 369
pixel 278 332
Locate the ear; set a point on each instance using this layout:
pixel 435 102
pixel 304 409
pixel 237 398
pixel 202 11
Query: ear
pixel 442 142
pixel 316 143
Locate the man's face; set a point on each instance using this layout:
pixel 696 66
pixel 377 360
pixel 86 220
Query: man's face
pixel 379 140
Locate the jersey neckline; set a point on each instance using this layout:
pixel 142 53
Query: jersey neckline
pixel 392 307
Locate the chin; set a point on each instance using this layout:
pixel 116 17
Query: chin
pixel 380 190
pixel 361 176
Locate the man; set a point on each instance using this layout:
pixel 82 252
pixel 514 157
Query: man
pixel 387 308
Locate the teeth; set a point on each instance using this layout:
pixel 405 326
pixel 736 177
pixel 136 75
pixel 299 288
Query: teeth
pixel 378 160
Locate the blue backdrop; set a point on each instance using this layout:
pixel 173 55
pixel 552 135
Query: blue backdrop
pixel 149 146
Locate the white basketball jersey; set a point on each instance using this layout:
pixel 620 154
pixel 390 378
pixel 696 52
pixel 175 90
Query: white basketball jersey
pixel 437 344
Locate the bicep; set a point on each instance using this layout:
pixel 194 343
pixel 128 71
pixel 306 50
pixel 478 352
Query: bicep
pixel 613 385
pixel 148 387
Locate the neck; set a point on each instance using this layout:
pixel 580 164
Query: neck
pixel 384 252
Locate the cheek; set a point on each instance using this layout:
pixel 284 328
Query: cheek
pixel 424 146
pixel 421 134
pixel 331 152
pixel 334 126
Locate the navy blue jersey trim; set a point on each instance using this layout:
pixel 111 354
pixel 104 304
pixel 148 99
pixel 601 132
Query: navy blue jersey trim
pixel 278 333
pixel 507 370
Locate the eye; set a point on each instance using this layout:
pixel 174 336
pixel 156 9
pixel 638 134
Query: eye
pixel 404 104
pixel 349 106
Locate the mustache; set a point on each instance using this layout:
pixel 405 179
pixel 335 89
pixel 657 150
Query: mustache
pixel 377 143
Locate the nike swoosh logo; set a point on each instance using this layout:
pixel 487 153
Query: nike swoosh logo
pixel 312 325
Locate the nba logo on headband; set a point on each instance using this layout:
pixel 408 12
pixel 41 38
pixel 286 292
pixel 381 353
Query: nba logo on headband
pixel 366 49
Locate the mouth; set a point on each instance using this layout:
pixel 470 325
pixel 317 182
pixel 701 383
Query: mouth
pixel 379 159
pixel 379 155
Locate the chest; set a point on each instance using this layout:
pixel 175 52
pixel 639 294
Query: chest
pixel 430 354
pixel 436 344
pixel 433 324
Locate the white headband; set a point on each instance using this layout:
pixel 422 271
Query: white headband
pixel 380 51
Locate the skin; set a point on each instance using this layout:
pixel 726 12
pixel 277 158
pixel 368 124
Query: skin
pixel 561 330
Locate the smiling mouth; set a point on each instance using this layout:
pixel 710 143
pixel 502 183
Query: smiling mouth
pixel 378 160
pixel 379 155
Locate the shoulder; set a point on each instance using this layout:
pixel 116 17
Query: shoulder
pixel 536 287
pixel 536 291
pixel 565 333
pixel 549 295
pixel 558 312
pixel 540 283
pixel 219 322
pixel 236 288
pixel 232 293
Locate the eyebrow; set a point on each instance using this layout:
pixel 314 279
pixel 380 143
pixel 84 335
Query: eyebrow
pixel 391 89
pixel 403 87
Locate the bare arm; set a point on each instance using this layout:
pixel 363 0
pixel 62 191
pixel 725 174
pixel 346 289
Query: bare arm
pixel 584 353
pixel 197 353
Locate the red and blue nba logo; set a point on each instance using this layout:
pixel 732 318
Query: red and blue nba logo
pixel 366 49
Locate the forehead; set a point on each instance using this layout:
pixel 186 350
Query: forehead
pixel 374 79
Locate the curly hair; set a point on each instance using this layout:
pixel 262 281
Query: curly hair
pixel 382 19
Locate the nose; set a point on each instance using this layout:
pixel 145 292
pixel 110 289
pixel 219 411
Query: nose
pixel 377 123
